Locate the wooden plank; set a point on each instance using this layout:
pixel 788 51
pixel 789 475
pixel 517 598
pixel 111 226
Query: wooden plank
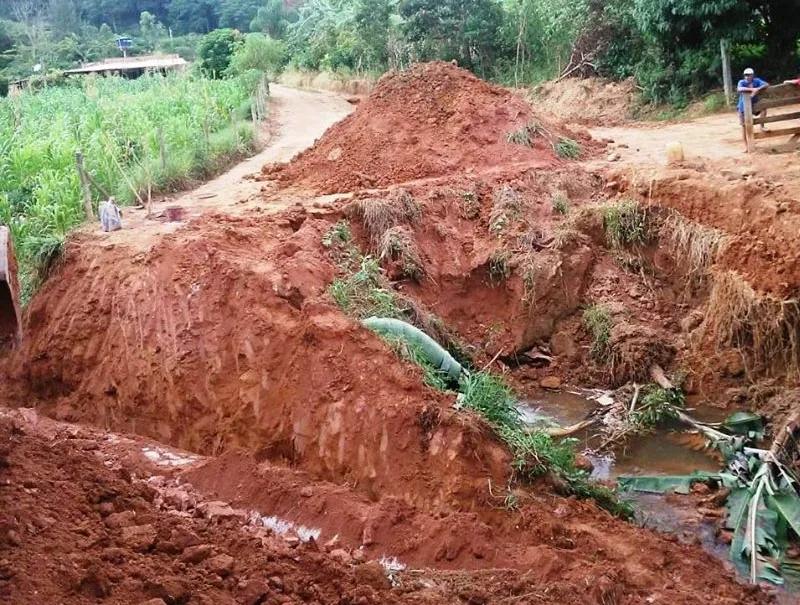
pixel 748 123
pixel 766 103
pixel 780 132
pixel 795 115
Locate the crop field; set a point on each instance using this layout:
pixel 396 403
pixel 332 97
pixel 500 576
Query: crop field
pixel 120 127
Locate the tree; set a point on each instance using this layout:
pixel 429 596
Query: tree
pixel 194 16
pixel 272 19
pixel 464 30
pixel 64 17
pixel 30 14
pixel 216 50
pixel 260 53
pixel 238 14
pixel 151 30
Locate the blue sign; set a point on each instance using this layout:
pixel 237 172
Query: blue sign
pixel 124 43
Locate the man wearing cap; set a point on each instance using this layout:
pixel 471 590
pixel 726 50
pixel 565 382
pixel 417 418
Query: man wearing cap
pixel 750 85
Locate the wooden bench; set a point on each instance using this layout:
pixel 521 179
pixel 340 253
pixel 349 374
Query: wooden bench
pixel 781 95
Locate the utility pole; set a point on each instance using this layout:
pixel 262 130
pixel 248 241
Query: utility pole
pixel 727 78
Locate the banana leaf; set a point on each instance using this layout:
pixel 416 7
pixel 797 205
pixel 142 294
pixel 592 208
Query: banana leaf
pixel 661 484
pixel 745 423
pixel 787 505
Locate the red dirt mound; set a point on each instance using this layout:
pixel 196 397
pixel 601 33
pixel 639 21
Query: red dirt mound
pixel 431 120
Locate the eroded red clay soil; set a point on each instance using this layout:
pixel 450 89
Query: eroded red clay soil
pixel 431 120
pixel 221 339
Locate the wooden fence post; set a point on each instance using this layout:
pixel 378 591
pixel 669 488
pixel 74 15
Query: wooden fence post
pixel 748 122
pixel 162 148
pixel 87 196
pixel 727 77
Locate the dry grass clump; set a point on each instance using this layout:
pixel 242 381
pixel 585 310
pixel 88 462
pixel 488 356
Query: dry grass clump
pixel 626 223
pixel 765 329
pixel 633 350
pixel 397 244
pixel 507 205
pixel 381 214
pixel 694 246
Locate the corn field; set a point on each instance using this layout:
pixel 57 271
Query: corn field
pixel 121 127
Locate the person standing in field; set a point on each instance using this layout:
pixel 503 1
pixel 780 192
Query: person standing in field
pixel 750 85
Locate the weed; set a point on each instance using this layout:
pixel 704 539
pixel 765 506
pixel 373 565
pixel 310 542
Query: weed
pixel 626 224
pixel 470 205
pixel 507 205
pixel 338 234
pixel 526 134
pixel 511 502
pixel 529 269
pixel 361 294
pixel 567 148
pixel 434 377
pixel 560 204
pixel 397 243
pixel 598 322
pixel 491 397
pixel 499 268
pixel 657 406
pixel 381 214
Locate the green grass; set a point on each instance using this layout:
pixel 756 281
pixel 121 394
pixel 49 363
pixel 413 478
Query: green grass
pixel 525 135
pixel 567 148
pixel 560 204
pixel 491 397
pixel 626 224
pixel 361 294
pixel 114 122
pixel 598 322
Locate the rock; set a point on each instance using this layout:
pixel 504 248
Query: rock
pixel 359 556
pixel 154 602
pixel 178 499
pixel 562 344
pixel 139 537
pixel 550 382
pixel 342 556
pixel 126 518
pixel 276 582
pixel 221 565
pixel 197 554
pixel 183 538
pixel 306 492
pixel 170 590
pixel 14 538
pixel 217 510
pixel 582 463
pixel 253 592
pixel 372 574
pixel 614 157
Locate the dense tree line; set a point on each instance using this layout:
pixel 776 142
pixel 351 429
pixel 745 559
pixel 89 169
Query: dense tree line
pixel 670 46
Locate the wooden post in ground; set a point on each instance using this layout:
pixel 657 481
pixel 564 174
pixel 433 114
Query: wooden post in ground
pixel 87 196
pixel 727 77
pixel 748 122
pixel 162 148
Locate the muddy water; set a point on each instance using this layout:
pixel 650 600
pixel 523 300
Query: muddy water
pixel 664 453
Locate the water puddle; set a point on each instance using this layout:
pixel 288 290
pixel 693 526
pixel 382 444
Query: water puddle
pixel 668 452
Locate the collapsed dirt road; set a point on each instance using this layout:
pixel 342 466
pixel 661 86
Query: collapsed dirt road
pixel 221 336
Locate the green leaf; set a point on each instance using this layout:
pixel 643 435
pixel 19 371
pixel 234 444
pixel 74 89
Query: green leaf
pixel 787 505
pixel 744 423
pixel 661 484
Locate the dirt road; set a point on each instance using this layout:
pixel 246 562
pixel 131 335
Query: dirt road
pixel 715 137
pixel 299 117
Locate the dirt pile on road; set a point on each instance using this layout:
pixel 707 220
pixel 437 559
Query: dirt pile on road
pixel 80 524
pixel 431 120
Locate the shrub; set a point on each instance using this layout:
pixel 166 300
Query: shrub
pixel 216 51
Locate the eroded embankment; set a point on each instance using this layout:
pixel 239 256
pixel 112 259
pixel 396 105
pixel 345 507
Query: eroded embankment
pixel 223 337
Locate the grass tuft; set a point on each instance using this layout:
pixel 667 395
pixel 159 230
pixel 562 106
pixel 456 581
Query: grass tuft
pixel 361 294
pixel 491 397
pixel 560 204
pixel 626 224
pixel 694 246
pixel 507 206
pixel 499 269
pixel 526 134
pixel 567 148
pixel 381 214
pixel 764 328
pixel 598 321
pixel 397 244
